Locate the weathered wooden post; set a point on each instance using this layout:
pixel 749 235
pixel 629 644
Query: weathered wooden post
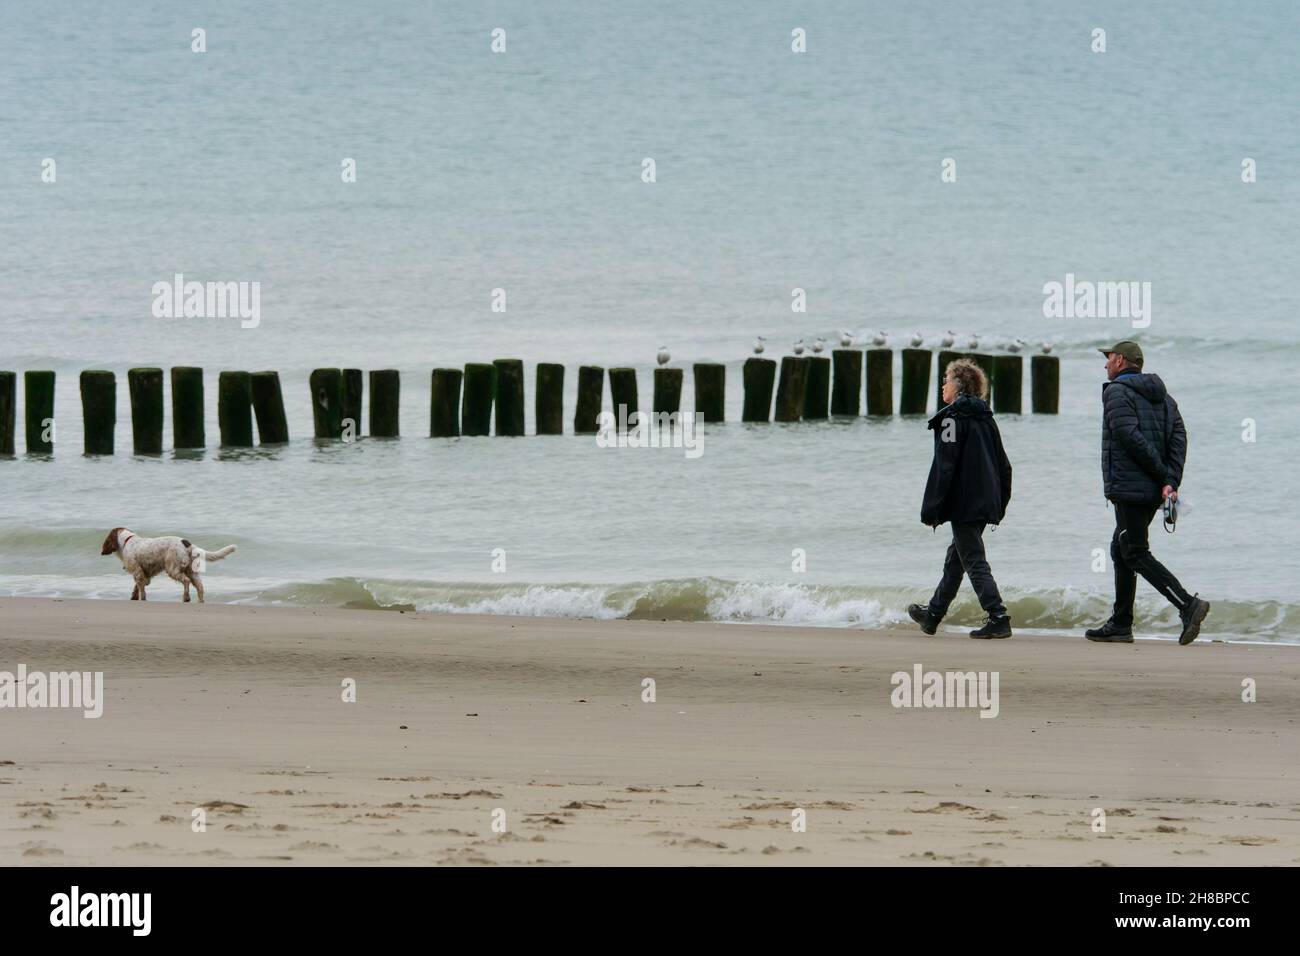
pixel 591 392
pixel 268 407
pixel 946 358
pixel 235 409
pixel 1045 383
pixel 759 377
pixel 548 399
pixel 510 396
pixel 476 407
pixel 846 382
pixel 8 411
pixel 38 402
pixel 880 381
pixel 326 386
pixel 385 403
pixel 817 383
pixel 98 410
pixel 622 391
pixel 916 382
pixel 353 386
pixel 1008 383
pixel 187 407
pixel 444 403
pixel 146 389
pixel 711 391
pixel 668 390
pixel 791 389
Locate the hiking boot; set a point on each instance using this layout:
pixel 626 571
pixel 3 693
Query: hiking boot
pixel 922 615
pixel 994 627
pixel 1192 616
pixel 1110 633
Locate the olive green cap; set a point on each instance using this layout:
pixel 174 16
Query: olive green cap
pixel 1130 350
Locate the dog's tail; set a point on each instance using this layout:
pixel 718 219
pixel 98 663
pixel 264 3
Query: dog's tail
pixel 217 555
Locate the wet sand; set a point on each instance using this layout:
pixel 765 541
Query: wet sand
pixel 540 725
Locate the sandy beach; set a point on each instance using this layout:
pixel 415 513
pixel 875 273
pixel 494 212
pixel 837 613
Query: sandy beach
pixel 238 710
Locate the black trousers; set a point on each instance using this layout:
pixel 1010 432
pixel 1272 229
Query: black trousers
pixel 966 555
pixel 1131 555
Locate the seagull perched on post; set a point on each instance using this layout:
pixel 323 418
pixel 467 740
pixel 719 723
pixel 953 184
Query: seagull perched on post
pixel 917 340
pixel 1047 348
pixel 758 345
pixel 798 346
pixel 846 338
pixel 663 355
pixel 974 342
pixel 1015 345
pixel 879 338
pixel 949 338
pixel 819 343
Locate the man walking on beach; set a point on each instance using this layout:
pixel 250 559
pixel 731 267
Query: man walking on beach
pixel 1143 448
pixel 969 485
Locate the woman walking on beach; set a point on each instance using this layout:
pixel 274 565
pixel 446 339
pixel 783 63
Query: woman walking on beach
pixel 969 486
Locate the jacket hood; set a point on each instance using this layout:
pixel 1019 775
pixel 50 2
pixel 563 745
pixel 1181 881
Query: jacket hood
pixel 966 406
pixel 1149 387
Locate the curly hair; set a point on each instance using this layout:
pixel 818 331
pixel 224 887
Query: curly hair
pixel 970 378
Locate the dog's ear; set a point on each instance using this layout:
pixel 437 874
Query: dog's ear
pixel 110 543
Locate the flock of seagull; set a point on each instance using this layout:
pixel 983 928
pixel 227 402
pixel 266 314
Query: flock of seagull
pixel 947 341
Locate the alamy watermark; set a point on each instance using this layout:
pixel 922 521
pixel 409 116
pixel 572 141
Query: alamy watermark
pixel 78 690
pixel 922 688
pixel 1084 299
pixel 75 908
pixel 208 300
pixel 651 430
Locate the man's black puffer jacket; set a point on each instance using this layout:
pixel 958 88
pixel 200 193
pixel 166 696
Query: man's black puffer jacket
pixel 1143 442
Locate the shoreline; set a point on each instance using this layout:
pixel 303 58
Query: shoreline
pixel 236 710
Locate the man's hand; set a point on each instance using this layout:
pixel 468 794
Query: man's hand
pixel 1170 493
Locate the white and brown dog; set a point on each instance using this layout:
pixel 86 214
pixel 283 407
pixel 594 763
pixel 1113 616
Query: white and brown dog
pixel 145 557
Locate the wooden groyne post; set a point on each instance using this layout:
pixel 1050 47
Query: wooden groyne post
pixel 1008 383
pixel 591 393
pixel 353 387
pixel 548 400
pixel 476 405
pixel 711 391
pixel 916 382
pixel 509 397
pixel 145 386
pixel 8 411
pixel 880 381
pixel 235 409
pixel 187 407
pixel 268 407
pixel 38 411
pixel 98 410
pixel 326 385
pixel 385 403
pixel 846 382
pixel 817 384
pixel 759 378
pixel 444 403
pixel 791 389
pixel 622 391
pixel 668 391
pixel 1045 383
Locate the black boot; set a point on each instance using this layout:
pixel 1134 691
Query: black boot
pixel 994 627
pixel 921 614
pixel 1110 633
pixel 1192 616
